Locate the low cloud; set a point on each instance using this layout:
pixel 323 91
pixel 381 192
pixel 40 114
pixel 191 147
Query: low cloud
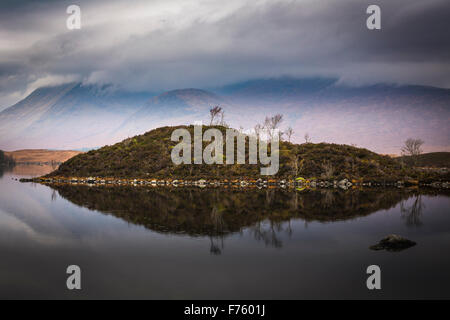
pixel 161 45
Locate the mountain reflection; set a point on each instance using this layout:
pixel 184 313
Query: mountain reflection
pixel 218 212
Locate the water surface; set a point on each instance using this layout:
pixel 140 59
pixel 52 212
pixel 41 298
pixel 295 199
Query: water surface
pixel 156 243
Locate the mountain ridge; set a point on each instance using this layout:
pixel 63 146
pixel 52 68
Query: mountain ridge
pixel 379 117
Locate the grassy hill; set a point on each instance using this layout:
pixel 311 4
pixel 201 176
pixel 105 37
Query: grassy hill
pixel 41 155
pixel 148 156
pixel 432 159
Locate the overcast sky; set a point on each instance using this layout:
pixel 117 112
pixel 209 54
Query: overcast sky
pixel 166 44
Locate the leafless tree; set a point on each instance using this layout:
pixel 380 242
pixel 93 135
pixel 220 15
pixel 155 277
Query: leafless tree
pixel 413 148
pixel 271 124
pixel 258 129
pixel 222 118
pixel 307 138
pixel 214 112
pixel 296 164
pixel 328 170
pixel 289 132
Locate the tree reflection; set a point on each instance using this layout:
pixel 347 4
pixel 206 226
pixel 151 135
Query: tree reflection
pixel 268 233
pixel 217 213
pixel 217 245
pixel 54 196
pixel 412 213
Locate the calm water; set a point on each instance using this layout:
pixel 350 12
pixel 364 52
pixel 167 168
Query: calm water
pixel 134 242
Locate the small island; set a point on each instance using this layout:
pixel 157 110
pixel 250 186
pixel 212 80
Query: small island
pixel 145 159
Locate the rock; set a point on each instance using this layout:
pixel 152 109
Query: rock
pixel 244 183
pixel 393 242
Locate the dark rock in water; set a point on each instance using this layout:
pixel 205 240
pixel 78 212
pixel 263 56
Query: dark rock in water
pixel 393 242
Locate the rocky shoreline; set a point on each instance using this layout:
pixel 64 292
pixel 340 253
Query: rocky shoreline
pixel 244 182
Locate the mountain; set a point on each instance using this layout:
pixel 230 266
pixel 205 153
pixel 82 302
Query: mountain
pixel 174 107
pixel 68 115
pixel 286 89
pixel 148 156
pixel 277 89
pixel 378 117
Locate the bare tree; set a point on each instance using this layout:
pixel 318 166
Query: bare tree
pixel 297 164
pixel 413 148
pixel 328 169
pixel 307 138
pixel 222 118
pixel 289 132
pixel 214 112
pixel 271 124
pixel 266 126
pixel 258 129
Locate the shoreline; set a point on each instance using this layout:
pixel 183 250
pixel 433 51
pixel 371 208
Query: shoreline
pixel 257 183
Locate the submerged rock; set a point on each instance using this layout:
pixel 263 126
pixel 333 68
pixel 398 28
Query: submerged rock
pixel 393 242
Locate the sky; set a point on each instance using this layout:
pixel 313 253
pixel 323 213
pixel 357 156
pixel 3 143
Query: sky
pixel 160 45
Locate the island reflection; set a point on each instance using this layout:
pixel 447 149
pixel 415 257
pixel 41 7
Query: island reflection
pixel 219 212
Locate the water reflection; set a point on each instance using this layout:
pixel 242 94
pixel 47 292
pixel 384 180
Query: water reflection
pixel 28 170
pixel 412 210
pixel 217 213
pixel 3 170
pixel 159 243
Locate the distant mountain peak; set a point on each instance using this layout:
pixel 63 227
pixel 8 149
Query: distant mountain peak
pixel 287 85
pixel 186 98
pixel 189 93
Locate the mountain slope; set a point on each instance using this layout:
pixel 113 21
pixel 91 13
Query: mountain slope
pixel 69 115
pixel 277 89
pixel 30 109
pixel 171 108
pixel 378 117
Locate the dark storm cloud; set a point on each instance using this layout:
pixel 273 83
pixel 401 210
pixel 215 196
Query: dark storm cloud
pixel 168 44
pixel 416 32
